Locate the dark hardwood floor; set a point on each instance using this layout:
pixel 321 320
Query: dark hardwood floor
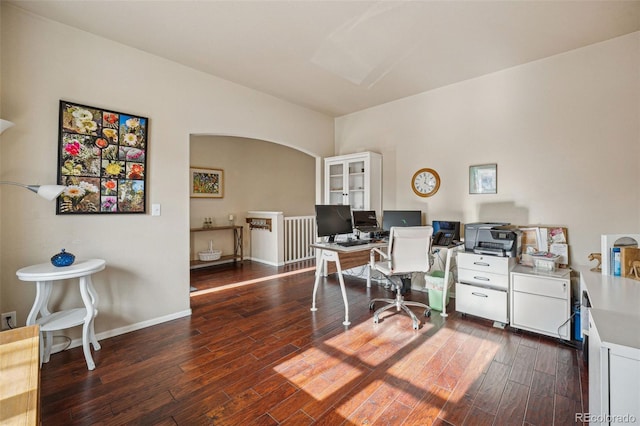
pixel 253 354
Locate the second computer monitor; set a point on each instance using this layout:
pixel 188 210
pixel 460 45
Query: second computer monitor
pixel 364 218
pixel 392 218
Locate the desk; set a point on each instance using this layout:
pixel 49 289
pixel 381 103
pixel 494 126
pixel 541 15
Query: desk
pixel 351 257
pixel 45 274
pixel 20 376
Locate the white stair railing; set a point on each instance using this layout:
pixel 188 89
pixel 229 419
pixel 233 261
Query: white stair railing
pixel 299 233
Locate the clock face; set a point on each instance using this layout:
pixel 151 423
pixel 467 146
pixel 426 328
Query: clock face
pixel 425 182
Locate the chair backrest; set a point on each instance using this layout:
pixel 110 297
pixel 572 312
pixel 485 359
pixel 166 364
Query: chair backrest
pixel 409 248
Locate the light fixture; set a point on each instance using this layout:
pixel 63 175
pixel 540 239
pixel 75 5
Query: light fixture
pixel 4 125
pixel 48 192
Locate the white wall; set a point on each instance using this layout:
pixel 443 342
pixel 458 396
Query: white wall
pixel 258 175
pixel 564 131
pixel 147 276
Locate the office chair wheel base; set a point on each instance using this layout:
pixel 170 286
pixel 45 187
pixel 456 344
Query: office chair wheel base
pixel 427 313
pixel 372 306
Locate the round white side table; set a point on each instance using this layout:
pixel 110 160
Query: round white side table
pixel 45 274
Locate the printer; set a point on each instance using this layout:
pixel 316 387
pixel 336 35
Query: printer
pixel 493 238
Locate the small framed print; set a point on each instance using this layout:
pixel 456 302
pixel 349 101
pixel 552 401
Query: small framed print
pixel 483 179
pixel 206 183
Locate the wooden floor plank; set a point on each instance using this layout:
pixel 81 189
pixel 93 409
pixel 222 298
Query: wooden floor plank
pixel 255 354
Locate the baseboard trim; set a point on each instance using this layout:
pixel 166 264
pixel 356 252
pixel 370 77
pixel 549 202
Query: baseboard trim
pixel 122 330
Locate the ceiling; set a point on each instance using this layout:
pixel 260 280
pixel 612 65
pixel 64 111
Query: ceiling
pixel 339 57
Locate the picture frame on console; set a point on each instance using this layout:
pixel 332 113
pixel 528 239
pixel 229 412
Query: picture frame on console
pixel 483 179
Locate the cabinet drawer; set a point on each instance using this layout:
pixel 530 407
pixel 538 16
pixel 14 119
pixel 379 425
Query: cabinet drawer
pixel 483 278
pixel 541 314
pixel 542 286
pixel 482 262
pixel 482 302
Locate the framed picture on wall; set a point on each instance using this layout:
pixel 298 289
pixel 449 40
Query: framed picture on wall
pixel 102 160
pixel 483 179
pixel 206 183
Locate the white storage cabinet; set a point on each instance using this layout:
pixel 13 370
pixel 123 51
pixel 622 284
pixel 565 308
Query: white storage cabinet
pixel 541 301
pixel 483 286
pixel 355 180
pixel 614 370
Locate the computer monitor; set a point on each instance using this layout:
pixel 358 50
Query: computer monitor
pixel 401 218
pixel 332 220
pixel 364 218
pixel 448 226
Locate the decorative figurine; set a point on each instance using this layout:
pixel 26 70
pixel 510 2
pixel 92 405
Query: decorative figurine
pixel 598 257
pixel 635 269
pixel 62 259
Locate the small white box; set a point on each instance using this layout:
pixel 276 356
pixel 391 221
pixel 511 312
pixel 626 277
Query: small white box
pixel 547 262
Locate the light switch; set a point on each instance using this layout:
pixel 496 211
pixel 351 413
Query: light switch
pixel 155 209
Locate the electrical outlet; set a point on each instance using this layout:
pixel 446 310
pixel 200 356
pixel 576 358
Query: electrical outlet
pixel 9 320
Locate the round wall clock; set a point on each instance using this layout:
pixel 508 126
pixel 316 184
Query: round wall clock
pixel 425 182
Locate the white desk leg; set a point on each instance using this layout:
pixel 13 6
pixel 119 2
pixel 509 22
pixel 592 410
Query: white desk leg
pixel 87 327
pixel 334 257
pixel 319 264
pixel 447 270
pixel 331 256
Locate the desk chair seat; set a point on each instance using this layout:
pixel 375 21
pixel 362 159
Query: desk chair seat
pixel 408 252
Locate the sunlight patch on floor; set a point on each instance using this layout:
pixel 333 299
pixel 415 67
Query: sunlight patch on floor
pixel 249 282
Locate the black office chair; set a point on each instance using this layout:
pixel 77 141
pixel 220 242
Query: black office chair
pixel 408 252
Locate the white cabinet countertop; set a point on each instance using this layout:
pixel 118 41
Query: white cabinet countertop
pixel 615 307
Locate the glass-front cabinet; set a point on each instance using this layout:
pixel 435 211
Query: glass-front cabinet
pixel 354 179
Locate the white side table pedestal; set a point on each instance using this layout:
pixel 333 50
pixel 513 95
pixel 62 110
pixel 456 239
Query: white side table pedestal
pixel 45 274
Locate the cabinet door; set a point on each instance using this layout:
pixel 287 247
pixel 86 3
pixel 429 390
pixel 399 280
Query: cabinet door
pixel 624 388
pixel 354 180
pixel 598 373
pixel 335 191
pixel 545 315
pixel 357 183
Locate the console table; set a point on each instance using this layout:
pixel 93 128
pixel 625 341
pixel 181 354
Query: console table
pixel 45 274
pixel 237 255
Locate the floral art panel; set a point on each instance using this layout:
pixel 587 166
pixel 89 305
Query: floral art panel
pixel 102 160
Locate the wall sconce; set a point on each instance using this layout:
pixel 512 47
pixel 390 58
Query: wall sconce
pixel 4 125
pixel 48 192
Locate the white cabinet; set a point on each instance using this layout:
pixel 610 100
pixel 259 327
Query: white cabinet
pixel 354 179
pixel 541 301
pixel 614 370
pixel 613 342
pixel 483 285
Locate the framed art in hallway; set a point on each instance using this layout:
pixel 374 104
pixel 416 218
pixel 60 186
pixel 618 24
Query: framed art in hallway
pixel 206 183
pixel 483 179
pixel 102 160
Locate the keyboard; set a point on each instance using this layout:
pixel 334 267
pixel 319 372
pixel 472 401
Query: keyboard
pixel 352 243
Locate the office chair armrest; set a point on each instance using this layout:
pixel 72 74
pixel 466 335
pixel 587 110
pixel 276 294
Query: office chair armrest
pixel 372 255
